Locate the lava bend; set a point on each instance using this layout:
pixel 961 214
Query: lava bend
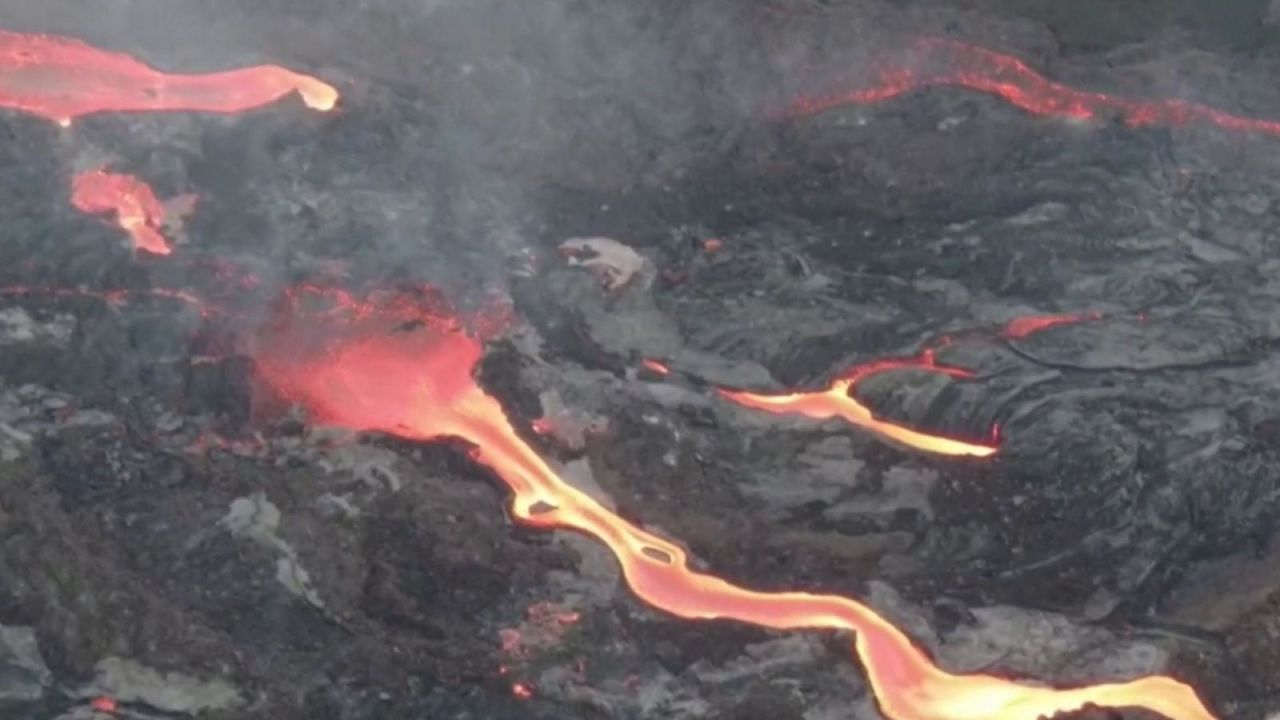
pixel 408 372
pixel 60 79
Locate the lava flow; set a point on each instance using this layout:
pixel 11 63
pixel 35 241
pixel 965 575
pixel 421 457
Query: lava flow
pixel 60 79
pixel 408 372
pixel 134 205
pixel 838 400
pixel 932 62
pixel 1023 327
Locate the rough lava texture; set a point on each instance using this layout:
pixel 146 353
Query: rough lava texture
pixel 166 543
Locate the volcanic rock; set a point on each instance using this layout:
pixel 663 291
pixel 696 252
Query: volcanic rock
pixel 23 674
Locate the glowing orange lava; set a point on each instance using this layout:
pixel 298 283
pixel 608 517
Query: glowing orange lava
pixel 656 366
pixel 932 62
pixel 837 400
pixel 1022 327
pixel 130 200
pixel 61 78
pixel 409 373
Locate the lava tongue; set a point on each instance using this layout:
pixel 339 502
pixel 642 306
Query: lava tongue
pixel 134 205
pixel 61 78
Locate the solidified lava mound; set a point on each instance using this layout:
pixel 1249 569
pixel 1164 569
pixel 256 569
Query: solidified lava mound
pixel 562 359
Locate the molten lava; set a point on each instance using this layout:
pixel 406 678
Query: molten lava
pixel 408 372
pixel 132 203
pixel 932 62
pixel 655 366
pixel 60 79
pixel 838 400
pixel 1022 327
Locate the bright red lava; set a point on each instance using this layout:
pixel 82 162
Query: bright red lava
pixel 130 200
pixel 406 368
pixel 931 62
pixel 60 79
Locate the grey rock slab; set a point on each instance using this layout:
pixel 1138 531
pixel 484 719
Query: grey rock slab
pixel 130 681
pixel 23 674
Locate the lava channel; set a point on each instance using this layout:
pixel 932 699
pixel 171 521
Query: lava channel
pixel 932 62
pixel 838 400
pixel 412 376
pixel 133 204
pixel 60 79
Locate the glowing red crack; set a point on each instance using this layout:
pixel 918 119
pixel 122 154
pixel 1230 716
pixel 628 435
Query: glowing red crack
pixel 61 78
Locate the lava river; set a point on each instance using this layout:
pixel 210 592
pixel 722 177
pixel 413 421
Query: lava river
pixel 60 79
pixel 408 372
pixel 932 62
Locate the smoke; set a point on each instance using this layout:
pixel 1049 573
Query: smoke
pixel 461 121
pixel 458 117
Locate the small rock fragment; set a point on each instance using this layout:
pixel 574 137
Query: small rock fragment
pixel 23 674
pixel 614 263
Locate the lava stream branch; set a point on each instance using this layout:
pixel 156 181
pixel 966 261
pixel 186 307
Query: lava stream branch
pixel 838 400
pixel 933 62
pixel 371 375
pixel 60 79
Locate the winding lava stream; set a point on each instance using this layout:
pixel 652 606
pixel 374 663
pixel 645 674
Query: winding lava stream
pixel 61 78
pixel 408 373
pixel 932 62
